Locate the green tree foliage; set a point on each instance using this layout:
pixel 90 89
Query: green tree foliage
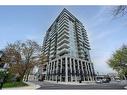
pixel 118 61
pixel 2 74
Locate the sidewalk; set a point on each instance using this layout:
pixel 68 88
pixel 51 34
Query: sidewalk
pixel 72 83
pixel 124 82
pixel 31 86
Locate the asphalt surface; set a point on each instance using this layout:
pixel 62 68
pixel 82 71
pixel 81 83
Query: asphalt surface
pixel 104 86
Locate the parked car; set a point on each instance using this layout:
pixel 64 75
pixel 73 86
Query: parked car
pixel 98 81
pixel 103 79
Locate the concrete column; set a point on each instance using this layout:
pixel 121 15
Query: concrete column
pixel 74 70
pixel 60 69
pixel 82 69
pixel 78 64
pixel 50 69
pixel 86 69
pixel 53 64
pixel 78 70
pixel 92 68
pixel 56 69
pixel 70 68
pixel 91 71
pixel 66 66
pixel 83 63
pixel 47 70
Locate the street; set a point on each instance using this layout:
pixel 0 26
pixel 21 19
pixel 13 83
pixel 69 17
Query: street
pixel 50 86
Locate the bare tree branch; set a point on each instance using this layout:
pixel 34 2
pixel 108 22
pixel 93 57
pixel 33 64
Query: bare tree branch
pixel 120 10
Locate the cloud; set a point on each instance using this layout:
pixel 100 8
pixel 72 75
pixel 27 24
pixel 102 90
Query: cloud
pixel 103 16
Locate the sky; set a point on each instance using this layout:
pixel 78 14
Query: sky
pixel 106 33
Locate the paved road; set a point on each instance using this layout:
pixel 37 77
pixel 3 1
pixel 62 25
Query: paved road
pixel 50 86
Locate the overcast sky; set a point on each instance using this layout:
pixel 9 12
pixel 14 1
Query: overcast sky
pixel 106 34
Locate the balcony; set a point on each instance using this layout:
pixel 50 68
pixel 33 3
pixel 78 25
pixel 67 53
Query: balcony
pixel 86 45
pixel 64 45
pixel 52 38
pixel 81 53
pixel 63 29
pixel 52 50
pixel 64 21
pixel 52 34
pixel 53 44
pixel 65 24
pixel 80 37
pixel 51 56
pixel 46 47
pixel 79 33
pixel 63 17
pixel 64 36
pixel 79 40
pixel 62 51
pixel 80 48
pixel 63 32
pixel 78 27
pixel 80 44
pixel 62 42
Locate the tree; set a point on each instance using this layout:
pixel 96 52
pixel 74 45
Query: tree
pixel 120 10
pixel 22 57
pixel 30 50
pixel 12 53
pixel 118 61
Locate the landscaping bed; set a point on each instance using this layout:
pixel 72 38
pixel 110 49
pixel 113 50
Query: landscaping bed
pixel 14 84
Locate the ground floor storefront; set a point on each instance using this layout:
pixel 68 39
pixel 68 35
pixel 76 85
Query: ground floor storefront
pixel 69 69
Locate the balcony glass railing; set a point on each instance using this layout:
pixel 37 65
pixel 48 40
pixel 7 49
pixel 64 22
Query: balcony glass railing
pixel 63 17
pixel 61 28
pixel 63 46
pixel 64 21
pixel 52 50
pixel 65 36
pixel 64 29
pixel 62 33
pixel 63 51
pixel 53 44
pixel 62 42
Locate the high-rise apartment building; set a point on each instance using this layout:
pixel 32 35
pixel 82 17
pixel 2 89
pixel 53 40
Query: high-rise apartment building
pixel 67 47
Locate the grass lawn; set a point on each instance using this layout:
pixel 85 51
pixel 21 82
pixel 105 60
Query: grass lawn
pixel 14 84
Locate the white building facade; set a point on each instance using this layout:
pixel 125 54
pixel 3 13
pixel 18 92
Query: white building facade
pixel 67 48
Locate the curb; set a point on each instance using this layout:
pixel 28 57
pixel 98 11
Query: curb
pixel 32 84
